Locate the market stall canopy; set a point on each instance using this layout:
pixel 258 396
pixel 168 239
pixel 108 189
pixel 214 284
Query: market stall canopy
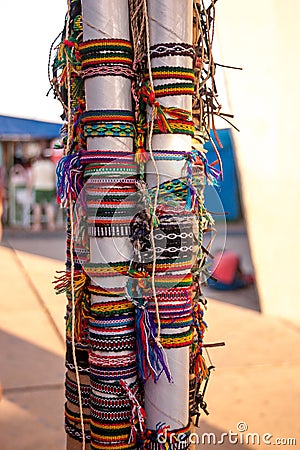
pixel 18 129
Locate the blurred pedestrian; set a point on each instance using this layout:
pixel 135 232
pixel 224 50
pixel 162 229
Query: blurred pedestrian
pixel 43 185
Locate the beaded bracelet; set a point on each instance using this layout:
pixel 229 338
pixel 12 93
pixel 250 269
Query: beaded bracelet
pixel 167 72
pixel 172 49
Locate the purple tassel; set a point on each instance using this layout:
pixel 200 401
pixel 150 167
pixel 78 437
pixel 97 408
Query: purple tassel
pixel 158 349
pixel 69 179
pixel 191 190
pixel 150 355
pixel 212 174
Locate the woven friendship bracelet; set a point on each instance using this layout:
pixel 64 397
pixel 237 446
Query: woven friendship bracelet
pixel 109 230
pixel 100 57
pixel 177 126
pixel 111 69
pixel 74 417
pixel 71 392
pixel 111 344
pixel 93 45
pixel 108 123
pixel 106 183
pixel 103 115
pixel 109 129
pixel 172 49
pixel 113 307
pixel 76 433
pixel 177 340
pixel 105 156
pixel 114 226
pixel 106 57
pixel 171 89
pixel 114 361
pixel 112 388
pixel 116 211
pixel 117 168
pixel 173 440
pixel 81 358
pixel 107 436
pixel 169 72
pixel 167 307
pixel 112 195
pixel 178 294
pixel 109 325
pixel 107 292
pixel 103 374
pixel 170 252
pixel 106 269
pixel 104 403
pixel 172 155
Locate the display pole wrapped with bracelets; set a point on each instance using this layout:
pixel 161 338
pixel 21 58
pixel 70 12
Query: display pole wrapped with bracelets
pixel 135 80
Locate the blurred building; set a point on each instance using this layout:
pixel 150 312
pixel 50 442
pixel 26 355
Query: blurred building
pixel 21 141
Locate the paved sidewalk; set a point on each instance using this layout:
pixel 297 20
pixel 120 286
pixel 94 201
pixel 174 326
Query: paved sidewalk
pixel 256 380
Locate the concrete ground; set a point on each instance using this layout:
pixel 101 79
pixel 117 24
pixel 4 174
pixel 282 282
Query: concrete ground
pixel 255 385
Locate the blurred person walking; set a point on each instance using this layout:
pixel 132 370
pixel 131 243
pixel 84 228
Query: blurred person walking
pixel 43 185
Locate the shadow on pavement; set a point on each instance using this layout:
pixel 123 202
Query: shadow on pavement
pixel 31 409
pixel 50 244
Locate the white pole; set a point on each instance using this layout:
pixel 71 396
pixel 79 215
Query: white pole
pixel 170 22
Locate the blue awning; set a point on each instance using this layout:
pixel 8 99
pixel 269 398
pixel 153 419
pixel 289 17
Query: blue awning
pixel 15 128
pixel 224 198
